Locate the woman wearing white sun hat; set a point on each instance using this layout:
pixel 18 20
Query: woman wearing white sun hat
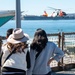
pixel 19 61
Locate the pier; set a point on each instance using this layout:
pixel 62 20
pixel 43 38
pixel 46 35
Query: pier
pixel 67 72
pixel 66 41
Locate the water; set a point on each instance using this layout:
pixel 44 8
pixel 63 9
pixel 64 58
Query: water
pixel 50 26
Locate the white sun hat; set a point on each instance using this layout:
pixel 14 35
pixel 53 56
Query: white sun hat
pixel 18 36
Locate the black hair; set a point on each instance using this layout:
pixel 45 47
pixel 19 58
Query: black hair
pixel 40 40
pixel 9 32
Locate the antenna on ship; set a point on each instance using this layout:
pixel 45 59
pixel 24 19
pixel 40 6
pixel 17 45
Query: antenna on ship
pixel 53 8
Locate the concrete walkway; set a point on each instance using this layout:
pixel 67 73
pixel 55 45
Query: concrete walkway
pixel 68 72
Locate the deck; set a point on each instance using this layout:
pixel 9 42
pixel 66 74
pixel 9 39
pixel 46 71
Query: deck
pixel 67 72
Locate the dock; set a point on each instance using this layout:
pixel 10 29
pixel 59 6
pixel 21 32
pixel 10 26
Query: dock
pixel 65 41
pixel 67 72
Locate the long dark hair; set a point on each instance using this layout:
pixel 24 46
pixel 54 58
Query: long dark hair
pixel 9 32
pixel 40 40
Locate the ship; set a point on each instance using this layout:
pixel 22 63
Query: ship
pixel 58 14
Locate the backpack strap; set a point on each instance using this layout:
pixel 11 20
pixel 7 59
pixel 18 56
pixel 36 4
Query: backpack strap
pixel 28 59
pixel 1 54
pixel 9 55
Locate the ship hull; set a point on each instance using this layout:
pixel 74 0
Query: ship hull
pixel 67 17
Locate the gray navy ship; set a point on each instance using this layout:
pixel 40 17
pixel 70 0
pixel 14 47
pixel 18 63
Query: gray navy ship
pixel 58 14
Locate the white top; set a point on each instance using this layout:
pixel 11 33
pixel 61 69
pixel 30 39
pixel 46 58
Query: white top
pixel 16 60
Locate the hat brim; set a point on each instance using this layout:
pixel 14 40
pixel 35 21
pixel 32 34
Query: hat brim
pixel 15 41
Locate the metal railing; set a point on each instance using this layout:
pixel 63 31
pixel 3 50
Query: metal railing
pixel 66 41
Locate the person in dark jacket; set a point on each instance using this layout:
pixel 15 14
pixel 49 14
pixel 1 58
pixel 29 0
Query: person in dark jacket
pixel 9 32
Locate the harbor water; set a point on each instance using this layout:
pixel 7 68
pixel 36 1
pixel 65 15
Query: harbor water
pixel 50 26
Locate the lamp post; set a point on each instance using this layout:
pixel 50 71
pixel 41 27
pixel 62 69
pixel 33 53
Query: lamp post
pixel 18 14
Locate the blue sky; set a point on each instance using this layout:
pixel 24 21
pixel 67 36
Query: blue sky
pixel 36 7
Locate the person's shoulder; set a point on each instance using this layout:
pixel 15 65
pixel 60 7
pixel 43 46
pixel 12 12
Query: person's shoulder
pixel 4 45
pixel 50 42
